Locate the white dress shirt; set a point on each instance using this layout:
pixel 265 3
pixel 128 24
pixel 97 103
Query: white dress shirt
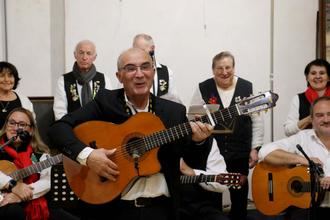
pixel 4 179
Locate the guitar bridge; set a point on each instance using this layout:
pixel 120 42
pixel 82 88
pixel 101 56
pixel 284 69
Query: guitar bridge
pixel 270 187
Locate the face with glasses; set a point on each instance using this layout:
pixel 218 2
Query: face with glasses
pixel 136 72
pixel 17 120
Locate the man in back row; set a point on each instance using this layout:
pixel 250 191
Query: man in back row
pixel 163 85
pixel 236 137
pixel 76 88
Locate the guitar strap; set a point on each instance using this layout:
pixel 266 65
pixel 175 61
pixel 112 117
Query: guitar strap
pixel 131 110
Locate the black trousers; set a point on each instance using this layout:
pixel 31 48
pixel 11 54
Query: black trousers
pixel 239 197
pixel 140 209
pixel 293 213
pixel 202 210
pixel 12 211
pixel 16 211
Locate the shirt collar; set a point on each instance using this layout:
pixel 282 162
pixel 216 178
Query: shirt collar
pixel 132 108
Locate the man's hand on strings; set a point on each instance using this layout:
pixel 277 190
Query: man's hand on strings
pixel 99 161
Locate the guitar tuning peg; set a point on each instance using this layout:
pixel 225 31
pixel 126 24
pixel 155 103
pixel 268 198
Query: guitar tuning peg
pixel 238 99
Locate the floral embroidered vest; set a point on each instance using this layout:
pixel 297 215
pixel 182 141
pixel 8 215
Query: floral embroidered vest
pixel 234 136
pixel 163 80
pixel 71 89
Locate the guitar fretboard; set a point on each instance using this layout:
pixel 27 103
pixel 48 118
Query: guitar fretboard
pixel 198 179
pixel 174 133
pixel 35 168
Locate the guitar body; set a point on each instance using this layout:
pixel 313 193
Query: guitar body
pixel 273 188
pixel 7 167
pixel 90 187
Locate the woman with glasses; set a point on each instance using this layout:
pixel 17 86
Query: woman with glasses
pixel 22 146
pixel 9 98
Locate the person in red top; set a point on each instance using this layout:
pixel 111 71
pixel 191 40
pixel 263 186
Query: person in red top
pixel 22 145
pixel 317 77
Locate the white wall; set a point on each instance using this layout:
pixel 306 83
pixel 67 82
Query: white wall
pixel 295 46
pixel 42 35
pixel 28 26
pixel 187 36
pixel 2 31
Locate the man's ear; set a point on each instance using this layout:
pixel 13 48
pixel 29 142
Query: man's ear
pixel 118 77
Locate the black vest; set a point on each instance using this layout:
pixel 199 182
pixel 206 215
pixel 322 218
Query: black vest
pixel 163 80
pixel 71 89
pixel 304 107
pixel 237 143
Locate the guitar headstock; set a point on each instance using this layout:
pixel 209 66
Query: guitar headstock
pixel 232 180
pixel 257 103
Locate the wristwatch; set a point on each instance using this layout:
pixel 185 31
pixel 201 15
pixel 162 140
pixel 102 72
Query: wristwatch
pixel 11 184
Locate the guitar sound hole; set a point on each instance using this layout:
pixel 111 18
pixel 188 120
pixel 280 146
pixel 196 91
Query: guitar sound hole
pixel 135 147
pixel 296 186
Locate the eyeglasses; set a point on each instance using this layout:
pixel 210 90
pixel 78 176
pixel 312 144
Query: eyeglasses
pixel 130 68
pixel 20 124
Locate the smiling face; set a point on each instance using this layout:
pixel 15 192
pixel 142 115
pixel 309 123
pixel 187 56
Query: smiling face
pixel 317 77
pixel 321 117
pixel 136 73
pixel 7 80
pixel 224 71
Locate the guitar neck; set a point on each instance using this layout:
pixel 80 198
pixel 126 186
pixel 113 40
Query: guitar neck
pixel 222 115
pixel 35 168
pixel 174 133
pixel 197 179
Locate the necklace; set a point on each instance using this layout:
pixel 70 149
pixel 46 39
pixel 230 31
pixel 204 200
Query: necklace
pixel 4 107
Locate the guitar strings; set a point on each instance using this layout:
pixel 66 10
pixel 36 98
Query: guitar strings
pixel 148 142
pixel 141 144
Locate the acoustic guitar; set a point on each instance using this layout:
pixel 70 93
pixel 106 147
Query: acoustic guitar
pixel 232 180
pixel 275 188
pixel 137 142
pixel 11 170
